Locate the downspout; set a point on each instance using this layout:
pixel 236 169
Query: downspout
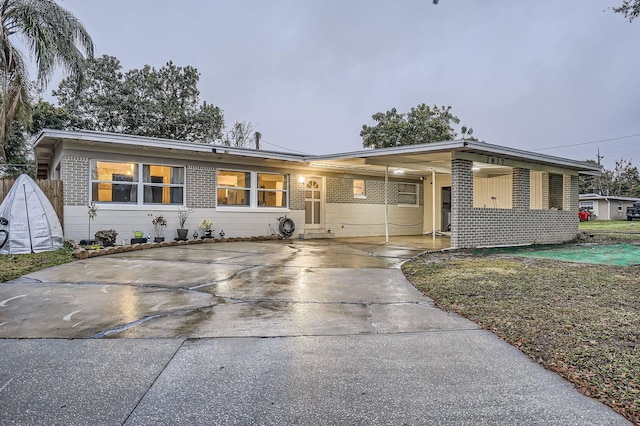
pixel 608 208
pixel 386 215
pixel 433 204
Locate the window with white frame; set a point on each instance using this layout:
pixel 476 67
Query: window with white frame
pixel 408 194
pixel 359 189
pixel 137 183
pixel 237 188
pixel 620 206
pixel 587 205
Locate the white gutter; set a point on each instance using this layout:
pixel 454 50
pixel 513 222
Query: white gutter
pixel 608 208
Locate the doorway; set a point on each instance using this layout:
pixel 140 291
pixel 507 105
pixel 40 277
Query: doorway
pixel 313 203
pixel 445 209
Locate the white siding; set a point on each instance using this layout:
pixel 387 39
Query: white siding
pixel 125 222
pixel 361 220
pixel 492 191
pixel 535 182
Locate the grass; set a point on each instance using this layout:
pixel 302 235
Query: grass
pixel 610 226
pixel 582 321
pixel 16 265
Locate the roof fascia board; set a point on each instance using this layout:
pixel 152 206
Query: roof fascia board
pixel 143 141
pixel 528 155
pixel 512 163
pixel 466 146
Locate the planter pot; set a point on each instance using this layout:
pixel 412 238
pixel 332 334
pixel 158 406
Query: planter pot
pixel 138 234
pixel 183 234
pixel 158 240
pixel 207 234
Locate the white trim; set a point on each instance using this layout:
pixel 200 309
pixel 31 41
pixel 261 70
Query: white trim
pixel 254 191
pixel 416 193
pixel 235 209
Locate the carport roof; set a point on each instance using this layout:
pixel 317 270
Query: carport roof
pixel 413 160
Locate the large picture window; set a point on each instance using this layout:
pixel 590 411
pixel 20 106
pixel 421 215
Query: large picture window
pixel 252 189
pixel 136 183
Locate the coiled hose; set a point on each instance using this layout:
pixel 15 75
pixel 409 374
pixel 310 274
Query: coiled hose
pixel 286 227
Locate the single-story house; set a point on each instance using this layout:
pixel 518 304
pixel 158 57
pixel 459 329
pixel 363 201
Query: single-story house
pixel 605 207
pixel 478 193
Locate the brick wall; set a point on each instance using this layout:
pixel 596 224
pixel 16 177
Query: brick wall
pixel 74 171
pixel 474 227
pixel 340 190
pixel 201 186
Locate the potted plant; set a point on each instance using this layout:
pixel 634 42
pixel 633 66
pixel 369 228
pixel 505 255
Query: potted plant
pixel 92 213
pixel 159 223
pixel 183 215
pixel 138 234
pixel 207 227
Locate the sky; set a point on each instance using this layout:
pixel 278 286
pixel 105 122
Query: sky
pixel 555 77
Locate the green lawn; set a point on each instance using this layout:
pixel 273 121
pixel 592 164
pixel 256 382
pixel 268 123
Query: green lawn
pixel 610 225
pixel 14 266
pixel 582 321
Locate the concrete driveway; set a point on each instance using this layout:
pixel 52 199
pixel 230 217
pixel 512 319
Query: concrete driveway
pixel 293 332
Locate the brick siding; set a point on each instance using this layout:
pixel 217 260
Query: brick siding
pixel 74 171
pixel 201 186
pixel 340 191
pixel 474 227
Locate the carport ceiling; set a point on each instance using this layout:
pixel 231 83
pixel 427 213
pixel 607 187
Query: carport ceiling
pixel 415 165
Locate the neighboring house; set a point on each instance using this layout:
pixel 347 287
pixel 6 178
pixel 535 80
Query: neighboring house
pixel 604 207
pixel 486 195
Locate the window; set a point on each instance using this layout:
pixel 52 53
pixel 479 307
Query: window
pixel 272 190
pixel 123 183
pixel 359 189
pixel 408 194
pixel 163 184
pixel 587 205
pixel 252 189
pixel 234 188
pixel 620 205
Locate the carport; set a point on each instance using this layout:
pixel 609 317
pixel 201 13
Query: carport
pixel 479 194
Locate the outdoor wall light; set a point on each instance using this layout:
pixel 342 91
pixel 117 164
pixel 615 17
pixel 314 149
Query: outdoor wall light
pixel 398 172
pixel 475 169
pixel 301 179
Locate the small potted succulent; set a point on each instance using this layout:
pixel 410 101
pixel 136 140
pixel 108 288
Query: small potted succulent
pixel 159 223
pixel 207 227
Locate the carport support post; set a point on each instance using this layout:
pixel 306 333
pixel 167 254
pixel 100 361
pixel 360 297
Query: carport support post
pixel 433 204
pixel 386 218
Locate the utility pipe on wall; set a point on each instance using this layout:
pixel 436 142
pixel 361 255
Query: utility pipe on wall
pixel 433 204
pixel 386 218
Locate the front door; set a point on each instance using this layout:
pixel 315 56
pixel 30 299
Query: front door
pixel 313 203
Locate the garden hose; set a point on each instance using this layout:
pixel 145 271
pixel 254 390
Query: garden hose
pixel 286 227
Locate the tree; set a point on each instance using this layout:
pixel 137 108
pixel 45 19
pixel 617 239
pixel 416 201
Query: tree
pixel 623 180
pixel 241 134
pixel 18 149
pixel 589 184
pixel 630 9
pixel 423 124
pixel 53 36
pixel 152 102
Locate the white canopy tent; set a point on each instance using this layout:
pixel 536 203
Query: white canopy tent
pixel 30 222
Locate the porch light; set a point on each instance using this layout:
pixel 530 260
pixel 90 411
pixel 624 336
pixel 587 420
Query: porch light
pixel 475 169
pixel 301 179
pixel 398 172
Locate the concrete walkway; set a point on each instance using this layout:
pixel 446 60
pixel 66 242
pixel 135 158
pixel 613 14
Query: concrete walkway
pixel 294 332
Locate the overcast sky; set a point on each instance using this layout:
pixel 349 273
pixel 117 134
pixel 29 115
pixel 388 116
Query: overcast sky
pixel 309 73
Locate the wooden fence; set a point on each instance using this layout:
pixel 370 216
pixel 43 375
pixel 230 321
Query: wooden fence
pixel 51 188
